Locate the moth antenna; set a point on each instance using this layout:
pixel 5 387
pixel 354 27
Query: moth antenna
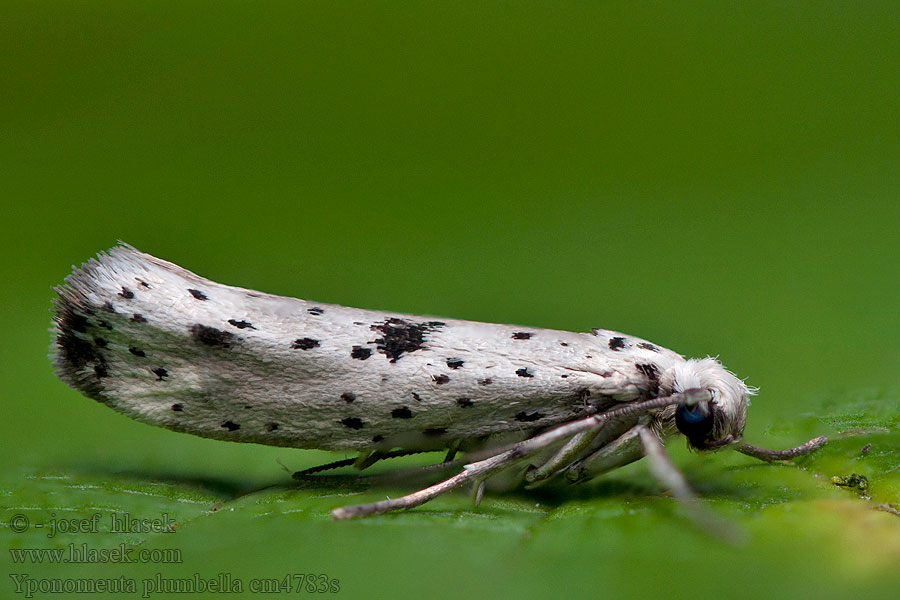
pixel 282 465
pixel 767 455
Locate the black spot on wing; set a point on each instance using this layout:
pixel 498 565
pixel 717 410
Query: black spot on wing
pixel 160 373
pixel 455 363
pixel 441 379
pixel 230 426
pixel 360 353
pixel 138 318
pixel 416 397
pixel 100 370
pixel 652 373
pixel 616 343
pixel 464 402
pixel 210 336
pixel 137 351
pixel 400 336
pixel 241 324
pixel 197 294
pixel 401 413
pixel 522 335
pixel 434 431
pixel 126 293
pixel 75 351
pixel 352 423
pixel 348 397
pixel 101 343
pixel 104 325
pixel 486 381
pixel 648 346
pixel 74 322
pixel 649 370
pixel 315 311
pixel 143 283
pixel 271 426
pixel 108 307
pixel 178 407
pixel 378 438
pixel 304 344
pixel 528 417
pixel 524 372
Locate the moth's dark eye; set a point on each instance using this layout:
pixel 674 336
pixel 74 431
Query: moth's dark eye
pixel 695 422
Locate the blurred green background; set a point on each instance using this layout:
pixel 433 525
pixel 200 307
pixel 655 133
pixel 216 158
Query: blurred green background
pixel 720 178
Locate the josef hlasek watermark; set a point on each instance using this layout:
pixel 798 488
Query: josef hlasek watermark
pixel 113 523
pixel 25 583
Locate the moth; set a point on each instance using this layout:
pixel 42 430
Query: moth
pixel 167 347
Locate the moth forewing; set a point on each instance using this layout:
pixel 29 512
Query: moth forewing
pixel 167 347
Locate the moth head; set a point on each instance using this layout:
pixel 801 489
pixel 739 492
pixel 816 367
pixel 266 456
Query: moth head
pixel 719 422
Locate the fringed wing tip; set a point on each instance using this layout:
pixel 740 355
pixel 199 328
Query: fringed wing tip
pixel 75 360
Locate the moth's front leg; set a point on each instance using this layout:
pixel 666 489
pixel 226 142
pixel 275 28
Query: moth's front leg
pixel 625 449
pixel 576 450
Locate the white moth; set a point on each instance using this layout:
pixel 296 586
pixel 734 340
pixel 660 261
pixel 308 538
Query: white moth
pixel 164 346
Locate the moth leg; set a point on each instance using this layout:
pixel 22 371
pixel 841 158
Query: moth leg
pixel 326 467
pixel 483 469
pixel 367 459
pixel 363 461
pixel 474 471
pixel 623 450
pixel 668 475
pixel 451 451
pixel 566 455
pixel 479 493
pixel 662 467
pixel 775 455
